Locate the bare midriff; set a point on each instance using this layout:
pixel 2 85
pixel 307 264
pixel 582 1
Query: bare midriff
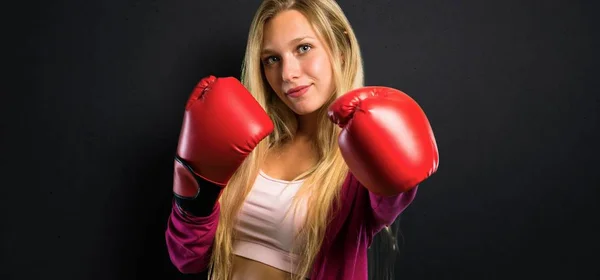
pixel 247 269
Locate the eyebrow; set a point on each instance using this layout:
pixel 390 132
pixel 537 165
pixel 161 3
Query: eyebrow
pixel 294 41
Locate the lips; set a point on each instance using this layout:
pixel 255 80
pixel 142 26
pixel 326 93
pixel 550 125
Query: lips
pixel 297 91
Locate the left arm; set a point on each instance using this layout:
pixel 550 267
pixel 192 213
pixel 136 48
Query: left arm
pixel 385 209
pixel 388 144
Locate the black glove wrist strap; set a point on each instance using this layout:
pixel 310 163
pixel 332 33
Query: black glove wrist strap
pixel 203 204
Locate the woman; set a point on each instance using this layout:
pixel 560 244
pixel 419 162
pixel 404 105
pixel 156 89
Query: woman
pixel 274 196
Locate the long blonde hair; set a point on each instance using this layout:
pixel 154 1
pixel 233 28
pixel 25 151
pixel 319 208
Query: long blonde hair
pixel 323 182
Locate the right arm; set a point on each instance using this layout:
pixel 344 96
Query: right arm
pixel 193 222
pixel 222 124
pixel 190 238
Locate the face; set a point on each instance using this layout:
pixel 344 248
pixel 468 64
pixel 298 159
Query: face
pixel 296 63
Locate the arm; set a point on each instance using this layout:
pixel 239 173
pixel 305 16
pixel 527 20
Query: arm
pixel 385 209
pixel 193 222
pixel 388 144
pixel 189 239
pixel 207 157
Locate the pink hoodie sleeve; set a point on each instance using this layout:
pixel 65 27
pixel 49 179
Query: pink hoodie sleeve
pixel 190 239
pixel 385 209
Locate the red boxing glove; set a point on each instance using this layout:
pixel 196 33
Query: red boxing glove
pixel 386 139
pixel 222 124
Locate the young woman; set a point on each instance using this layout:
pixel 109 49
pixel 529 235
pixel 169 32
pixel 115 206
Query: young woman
pixel 290 173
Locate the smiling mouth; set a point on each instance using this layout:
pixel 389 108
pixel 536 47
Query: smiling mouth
pixel 297 91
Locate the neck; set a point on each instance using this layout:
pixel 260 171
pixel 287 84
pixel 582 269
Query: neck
pixel 307 125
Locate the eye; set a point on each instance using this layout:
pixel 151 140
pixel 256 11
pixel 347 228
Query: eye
pixel 270 60
pixel 304 48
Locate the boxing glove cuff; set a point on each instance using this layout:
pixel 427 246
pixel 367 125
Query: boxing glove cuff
pixel 204 202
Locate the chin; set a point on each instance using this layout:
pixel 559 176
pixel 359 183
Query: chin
pixel 305 110
pixel 304 113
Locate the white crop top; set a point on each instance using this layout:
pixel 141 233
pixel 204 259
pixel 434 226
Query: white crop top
pixel 264 232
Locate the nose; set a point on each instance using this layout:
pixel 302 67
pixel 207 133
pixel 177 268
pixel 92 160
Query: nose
pixel 290 69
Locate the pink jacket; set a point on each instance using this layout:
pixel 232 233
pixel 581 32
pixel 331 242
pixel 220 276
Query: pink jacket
pixel 344 251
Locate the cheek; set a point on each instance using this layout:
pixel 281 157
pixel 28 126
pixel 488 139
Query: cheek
pixel 272 79
pixel 320 68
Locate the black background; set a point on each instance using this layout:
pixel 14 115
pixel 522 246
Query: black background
pixel 92 102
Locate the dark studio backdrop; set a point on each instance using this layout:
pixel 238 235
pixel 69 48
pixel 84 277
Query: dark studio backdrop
pixel 93 94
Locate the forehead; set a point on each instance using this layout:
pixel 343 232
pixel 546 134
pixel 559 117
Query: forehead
pixel 285 27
